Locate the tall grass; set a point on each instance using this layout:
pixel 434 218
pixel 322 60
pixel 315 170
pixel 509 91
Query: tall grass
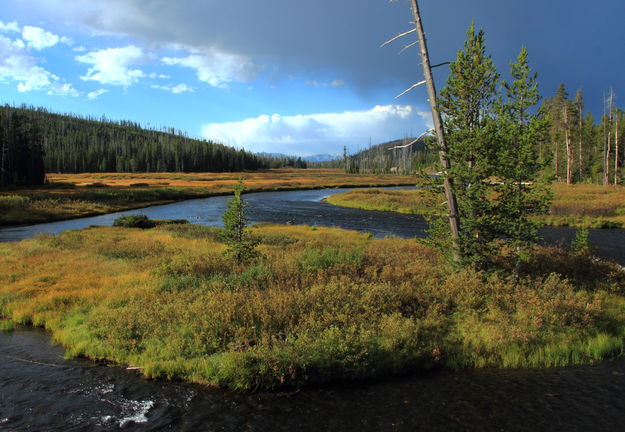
pixel 581 205
pixel 322 304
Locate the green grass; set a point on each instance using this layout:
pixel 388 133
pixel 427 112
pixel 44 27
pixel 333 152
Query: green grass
pixel 318 305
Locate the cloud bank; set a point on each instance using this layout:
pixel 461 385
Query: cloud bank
pixel 318 133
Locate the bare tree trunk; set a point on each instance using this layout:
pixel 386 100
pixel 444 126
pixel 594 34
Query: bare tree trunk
pixel 569 148
pixel 616 150
pixel 452 206
pixel 555 150
pixel 606 172
pixel 606 161
pixel 581 171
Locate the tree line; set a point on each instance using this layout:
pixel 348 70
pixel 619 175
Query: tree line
pixel 21 149
pixel 579 149
pixel 73 144
pixel 402 156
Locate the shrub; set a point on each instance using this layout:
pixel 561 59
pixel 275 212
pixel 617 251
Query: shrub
pixel 14 202
pixel 134 221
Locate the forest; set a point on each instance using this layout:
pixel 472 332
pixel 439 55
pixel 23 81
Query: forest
pixel 73 144
pixel 580 149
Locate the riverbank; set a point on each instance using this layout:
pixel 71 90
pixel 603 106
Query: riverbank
pixel 320 305
pixel 69 196
pixel 579 205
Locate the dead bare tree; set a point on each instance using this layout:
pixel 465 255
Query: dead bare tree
pixel 452 205
pixel 616 148
pixel 579 104
pixel 569 148
pixel 606 161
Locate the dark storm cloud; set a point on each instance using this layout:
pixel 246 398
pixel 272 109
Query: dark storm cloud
pixel 576 42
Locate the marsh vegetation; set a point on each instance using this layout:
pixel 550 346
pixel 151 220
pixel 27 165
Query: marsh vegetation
pixel 316 305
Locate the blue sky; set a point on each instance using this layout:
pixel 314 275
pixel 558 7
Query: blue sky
pixel 287 76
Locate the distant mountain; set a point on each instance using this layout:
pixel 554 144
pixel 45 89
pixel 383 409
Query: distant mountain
pixel 312 158
pixel 321 158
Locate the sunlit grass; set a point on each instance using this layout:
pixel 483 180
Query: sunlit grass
pixel 581 205
pixel 76 195
pixel 320 304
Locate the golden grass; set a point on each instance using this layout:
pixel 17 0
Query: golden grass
pixel 580 205
pixel 76 195
pixel 401 201
pixel 321 304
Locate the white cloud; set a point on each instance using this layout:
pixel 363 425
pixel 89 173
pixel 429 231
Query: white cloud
pixel 114 65
pixel 67 41
pixel 160 76
pixel 177 89
pixel 96 93
pixel 17 65
pixel 427 118
pixel 37 38
pixel 334 83
pixel 317 133
pixel 80 48
pixel 9 27
pixel 217 68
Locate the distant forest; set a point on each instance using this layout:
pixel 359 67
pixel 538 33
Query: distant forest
pixel 34 141
pixel 577 148
pixel 402 156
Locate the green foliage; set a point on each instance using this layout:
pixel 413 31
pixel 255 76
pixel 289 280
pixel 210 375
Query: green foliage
pixel 521 190
pixel 236 235
pixel 468 102
pixel 492 140
pixel 12 202
pixel 134 221
pixel 21 150
pixel 581 243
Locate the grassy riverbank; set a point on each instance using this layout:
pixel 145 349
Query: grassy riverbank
pixel 69 196
pixel 320 305
pixel 581 205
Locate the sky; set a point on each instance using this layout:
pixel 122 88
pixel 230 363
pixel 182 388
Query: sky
pixel 287 76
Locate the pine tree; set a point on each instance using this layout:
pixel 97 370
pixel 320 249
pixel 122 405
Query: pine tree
pixel 520 190
pixel 235 233
pixel 467 103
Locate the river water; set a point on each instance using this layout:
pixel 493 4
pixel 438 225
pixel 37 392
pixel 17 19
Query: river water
pixel 41 391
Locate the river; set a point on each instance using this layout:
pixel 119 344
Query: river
pixel 42 391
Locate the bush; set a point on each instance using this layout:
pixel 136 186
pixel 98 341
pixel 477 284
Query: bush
pixel 13 202
pixel 134 221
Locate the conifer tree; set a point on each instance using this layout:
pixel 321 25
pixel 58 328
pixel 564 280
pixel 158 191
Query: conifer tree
pixel 236 235
pixel 520 190
pixel 467 103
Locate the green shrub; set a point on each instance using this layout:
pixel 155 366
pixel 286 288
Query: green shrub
pixel 13 202
pixel 134 221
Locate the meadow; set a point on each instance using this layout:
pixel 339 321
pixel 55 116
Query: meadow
pixel 579 205
pixel 318 305
pixel 67 196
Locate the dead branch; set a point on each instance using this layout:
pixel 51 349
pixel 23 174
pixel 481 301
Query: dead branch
pixel 397 37
pixel 410 88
